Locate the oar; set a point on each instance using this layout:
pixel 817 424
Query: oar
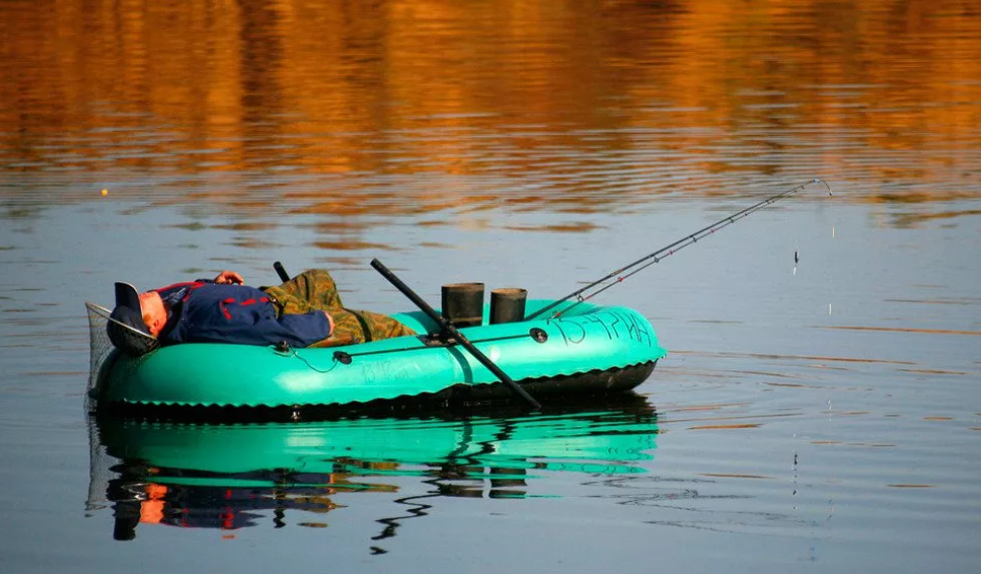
pixel 281 271
pixel 448 328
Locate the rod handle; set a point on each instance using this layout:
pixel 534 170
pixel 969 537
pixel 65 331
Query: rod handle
pixel 281 271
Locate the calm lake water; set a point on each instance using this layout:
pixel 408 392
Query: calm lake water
pixel 823 416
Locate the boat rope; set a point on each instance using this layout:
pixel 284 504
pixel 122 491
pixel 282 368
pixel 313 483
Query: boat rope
pixel 286 350
pixel 343 357
pixel 618 276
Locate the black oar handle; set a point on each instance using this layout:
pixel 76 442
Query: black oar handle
pixel 448 328
pixel 281 271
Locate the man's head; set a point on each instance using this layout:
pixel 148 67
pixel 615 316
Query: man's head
pixel 136 320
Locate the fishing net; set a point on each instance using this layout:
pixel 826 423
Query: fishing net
pixel 100 463
pixel 101 349
pixel 102 355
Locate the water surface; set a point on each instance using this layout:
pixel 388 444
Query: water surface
pixel 821 416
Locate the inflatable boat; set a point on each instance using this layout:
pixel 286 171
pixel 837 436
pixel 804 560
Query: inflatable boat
pixel 591 349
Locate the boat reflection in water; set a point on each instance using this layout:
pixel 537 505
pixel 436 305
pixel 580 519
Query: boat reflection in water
pixel 232 476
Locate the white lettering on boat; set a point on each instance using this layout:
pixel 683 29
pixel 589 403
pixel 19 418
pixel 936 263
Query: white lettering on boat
pixel 384 371
pixel 615 324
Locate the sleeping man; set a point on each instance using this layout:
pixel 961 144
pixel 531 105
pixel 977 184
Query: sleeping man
pixel 305 311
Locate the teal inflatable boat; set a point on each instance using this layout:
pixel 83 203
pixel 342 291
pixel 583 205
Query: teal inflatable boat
pixel 591 349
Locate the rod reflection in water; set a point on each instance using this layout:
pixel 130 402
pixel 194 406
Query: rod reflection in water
pixel 231 476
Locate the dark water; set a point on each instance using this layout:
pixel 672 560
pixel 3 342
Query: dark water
pixel 824 416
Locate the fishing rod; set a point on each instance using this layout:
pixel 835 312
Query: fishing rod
pixel 667 251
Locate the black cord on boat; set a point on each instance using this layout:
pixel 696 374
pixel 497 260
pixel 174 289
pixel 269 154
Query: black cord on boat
pixel 284 349
pixel 650 259
pixel 307 363
pixel 347 358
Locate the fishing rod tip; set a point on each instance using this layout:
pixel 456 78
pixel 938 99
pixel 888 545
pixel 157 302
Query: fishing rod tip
pixel 817 180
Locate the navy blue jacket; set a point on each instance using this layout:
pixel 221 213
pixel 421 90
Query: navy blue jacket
pixel 207 312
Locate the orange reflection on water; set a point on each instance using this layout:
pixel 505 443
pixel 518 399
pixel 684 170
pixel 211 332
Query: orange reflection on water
pixel 870 90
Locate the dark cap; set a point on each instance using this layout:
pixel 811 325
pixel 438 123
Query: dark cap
pixel 126 328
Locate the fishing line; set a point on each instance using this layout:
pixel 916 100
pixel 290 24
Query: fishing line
pixel 796 255
pixel 618 276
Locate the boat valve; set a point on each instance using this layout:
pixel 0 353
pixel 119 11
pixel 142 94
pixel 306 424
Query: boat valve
pixel 539 335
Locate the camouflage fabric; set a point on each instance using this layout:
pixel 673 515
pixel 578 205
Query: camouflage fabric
pixel 315 290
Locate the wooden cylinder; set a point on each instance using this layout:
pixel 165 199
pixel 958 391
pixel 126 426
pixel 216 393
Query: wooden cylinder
pixel 507 305
pixel 463 304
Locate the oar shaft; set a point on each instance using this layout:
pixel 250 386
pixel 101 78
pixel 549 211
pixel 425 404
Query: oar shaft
pixel 281 271
pixel 452 331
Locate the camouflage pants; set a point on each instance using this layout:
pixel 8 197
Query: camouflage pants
pixel 315 290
